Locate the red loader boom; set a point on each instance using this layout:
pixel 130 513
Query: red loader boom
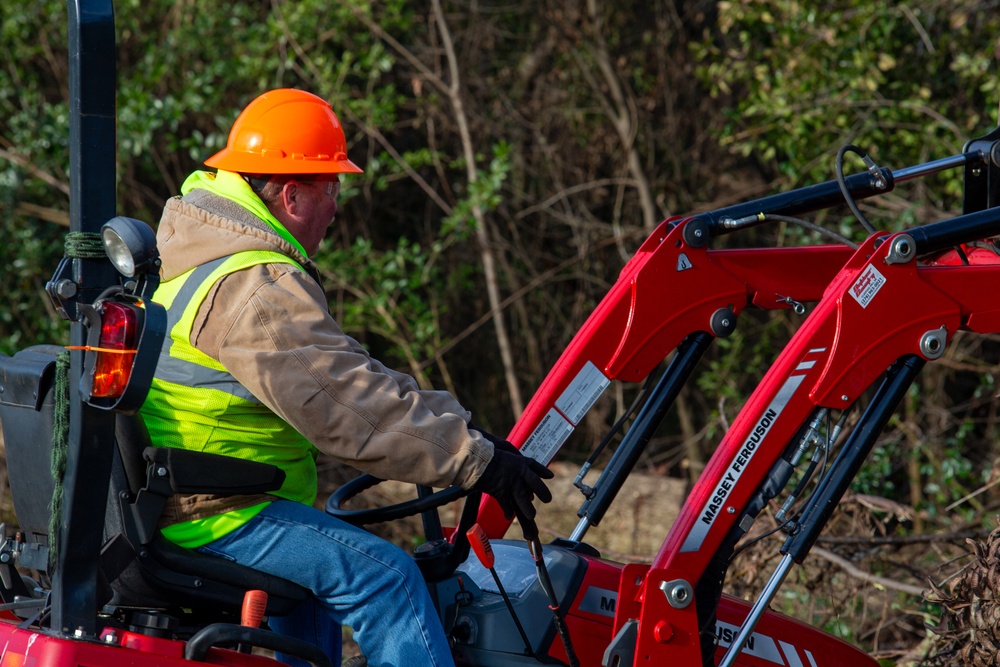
pixel 108 591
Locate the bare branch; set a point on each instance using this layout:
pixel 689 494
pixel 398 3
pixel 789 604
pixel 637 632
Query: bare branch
pixel 410 171
pixel 566 192
pixel 376 29
pixel 902 539
pixel 624 118
pixel 482 233
pixel 26 164
pixel 44 212
pixel 851 569
pixel 486 317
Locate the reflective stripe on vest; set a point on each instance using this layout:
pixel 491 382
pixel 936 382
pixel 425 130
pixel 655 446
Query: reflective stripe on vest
pixel 190 373
pixel 194 403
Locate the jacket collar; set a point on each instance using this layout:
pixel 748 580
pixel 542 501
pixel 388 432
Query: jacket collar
pixel 231 185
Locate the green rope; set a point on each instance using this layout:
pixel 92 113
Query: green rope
pixel 79 245
pixel 60 446
pixel 84 245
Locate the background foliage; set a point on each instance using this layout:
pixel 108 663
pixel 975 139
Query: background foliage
pixel 517 153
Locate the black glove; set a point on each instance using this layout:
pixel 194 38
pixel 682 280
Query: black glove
pixel 497 442
pixel 514 480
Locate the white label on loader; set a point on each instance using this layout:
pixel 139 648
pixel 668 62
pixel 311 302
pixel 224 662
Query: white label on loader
pixel 582 393
pixel 548 437
pixel 867 285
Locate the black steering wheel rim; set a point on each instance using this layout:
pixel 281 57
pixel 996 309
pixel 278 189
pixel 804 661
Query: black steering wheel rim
pixel 360 517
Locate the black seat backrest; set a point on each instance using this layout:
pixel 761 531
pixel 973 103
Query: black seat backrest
pixel 146 573
pixel 27 419
pixel 146 569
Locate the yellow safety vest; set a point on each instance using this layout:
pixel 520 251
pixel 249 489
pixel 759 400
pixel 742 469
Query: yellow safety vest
pixel 194 403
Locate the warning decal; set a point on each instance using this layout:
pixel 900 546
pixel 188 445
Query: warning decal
pixel 582 393
pixel 547 438
pixel 867 285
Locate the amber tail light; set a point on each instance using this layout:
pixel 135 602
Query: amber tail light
pixel 116 349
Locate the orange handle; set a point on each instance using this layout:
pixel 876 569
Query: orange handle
pixel 254 606
pixel 481 545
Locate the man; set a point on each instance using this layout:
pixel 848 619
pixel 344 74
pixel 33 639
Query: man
pixel 255 367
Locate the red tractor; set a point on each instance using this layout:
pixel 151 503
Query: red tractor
pixel 88 580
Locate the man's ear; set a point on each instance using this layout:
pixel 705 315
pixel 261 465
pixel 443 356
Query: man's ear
pixel 290 194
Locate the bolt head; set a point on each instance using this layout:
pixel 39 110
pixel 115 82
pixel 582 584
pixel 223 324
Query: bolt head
pixel 66 288
pixel 662 632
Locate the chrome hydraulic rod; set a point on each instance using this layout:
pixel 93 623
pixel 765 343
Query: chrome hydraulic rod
pixel 898 379
pixel 935 166
pixel 758 609
pixel 638 435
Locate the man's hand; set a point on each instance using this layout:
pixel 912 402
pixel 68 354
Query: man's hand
pixel 514 480
pixel 496 441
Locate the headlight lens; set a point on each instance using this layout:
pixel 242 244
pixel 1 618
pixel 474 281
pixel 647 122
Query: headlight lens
pixel 130 245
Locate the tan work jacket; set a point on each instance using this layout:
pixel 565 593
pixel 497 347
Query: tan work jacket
pixel 270 327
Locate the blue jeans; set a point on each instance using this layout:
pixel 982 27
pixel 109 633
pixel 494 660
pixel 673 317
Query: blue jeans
pixel 358 580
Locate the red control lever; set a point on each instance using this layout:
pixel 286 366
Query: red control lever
pixel 254 607
pixel 481 545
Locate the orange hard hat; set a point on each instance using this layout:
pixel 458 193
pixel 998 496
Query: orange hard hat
pixel 286 131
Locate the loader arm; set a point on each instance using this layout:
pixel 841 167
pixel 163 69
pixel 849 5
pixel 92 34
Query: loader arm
pixel 866 322
pixel 667 291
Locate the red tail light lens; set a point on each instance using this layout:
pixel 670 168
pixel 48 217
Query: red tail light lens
pixel 116 352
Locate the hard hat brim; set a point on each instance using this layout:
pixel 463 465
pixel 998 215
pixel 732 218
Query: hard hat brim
pixel 281 163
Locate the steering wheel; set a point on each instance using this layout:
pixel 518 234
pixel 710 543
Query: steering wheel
pixel 437 558
pixel 426 502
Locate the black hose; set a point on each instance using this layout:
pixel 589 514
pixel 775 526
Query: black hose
pixel 814 227
pixel 530 530
pixel 843 185
pixel 557 613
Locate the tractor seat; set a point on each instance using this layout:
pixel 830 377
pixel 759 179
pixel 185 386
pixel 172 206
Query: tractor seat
pixel 142 568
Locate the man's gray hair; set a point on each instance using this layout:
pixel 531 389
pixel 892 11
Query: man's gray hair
pixel 268 186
